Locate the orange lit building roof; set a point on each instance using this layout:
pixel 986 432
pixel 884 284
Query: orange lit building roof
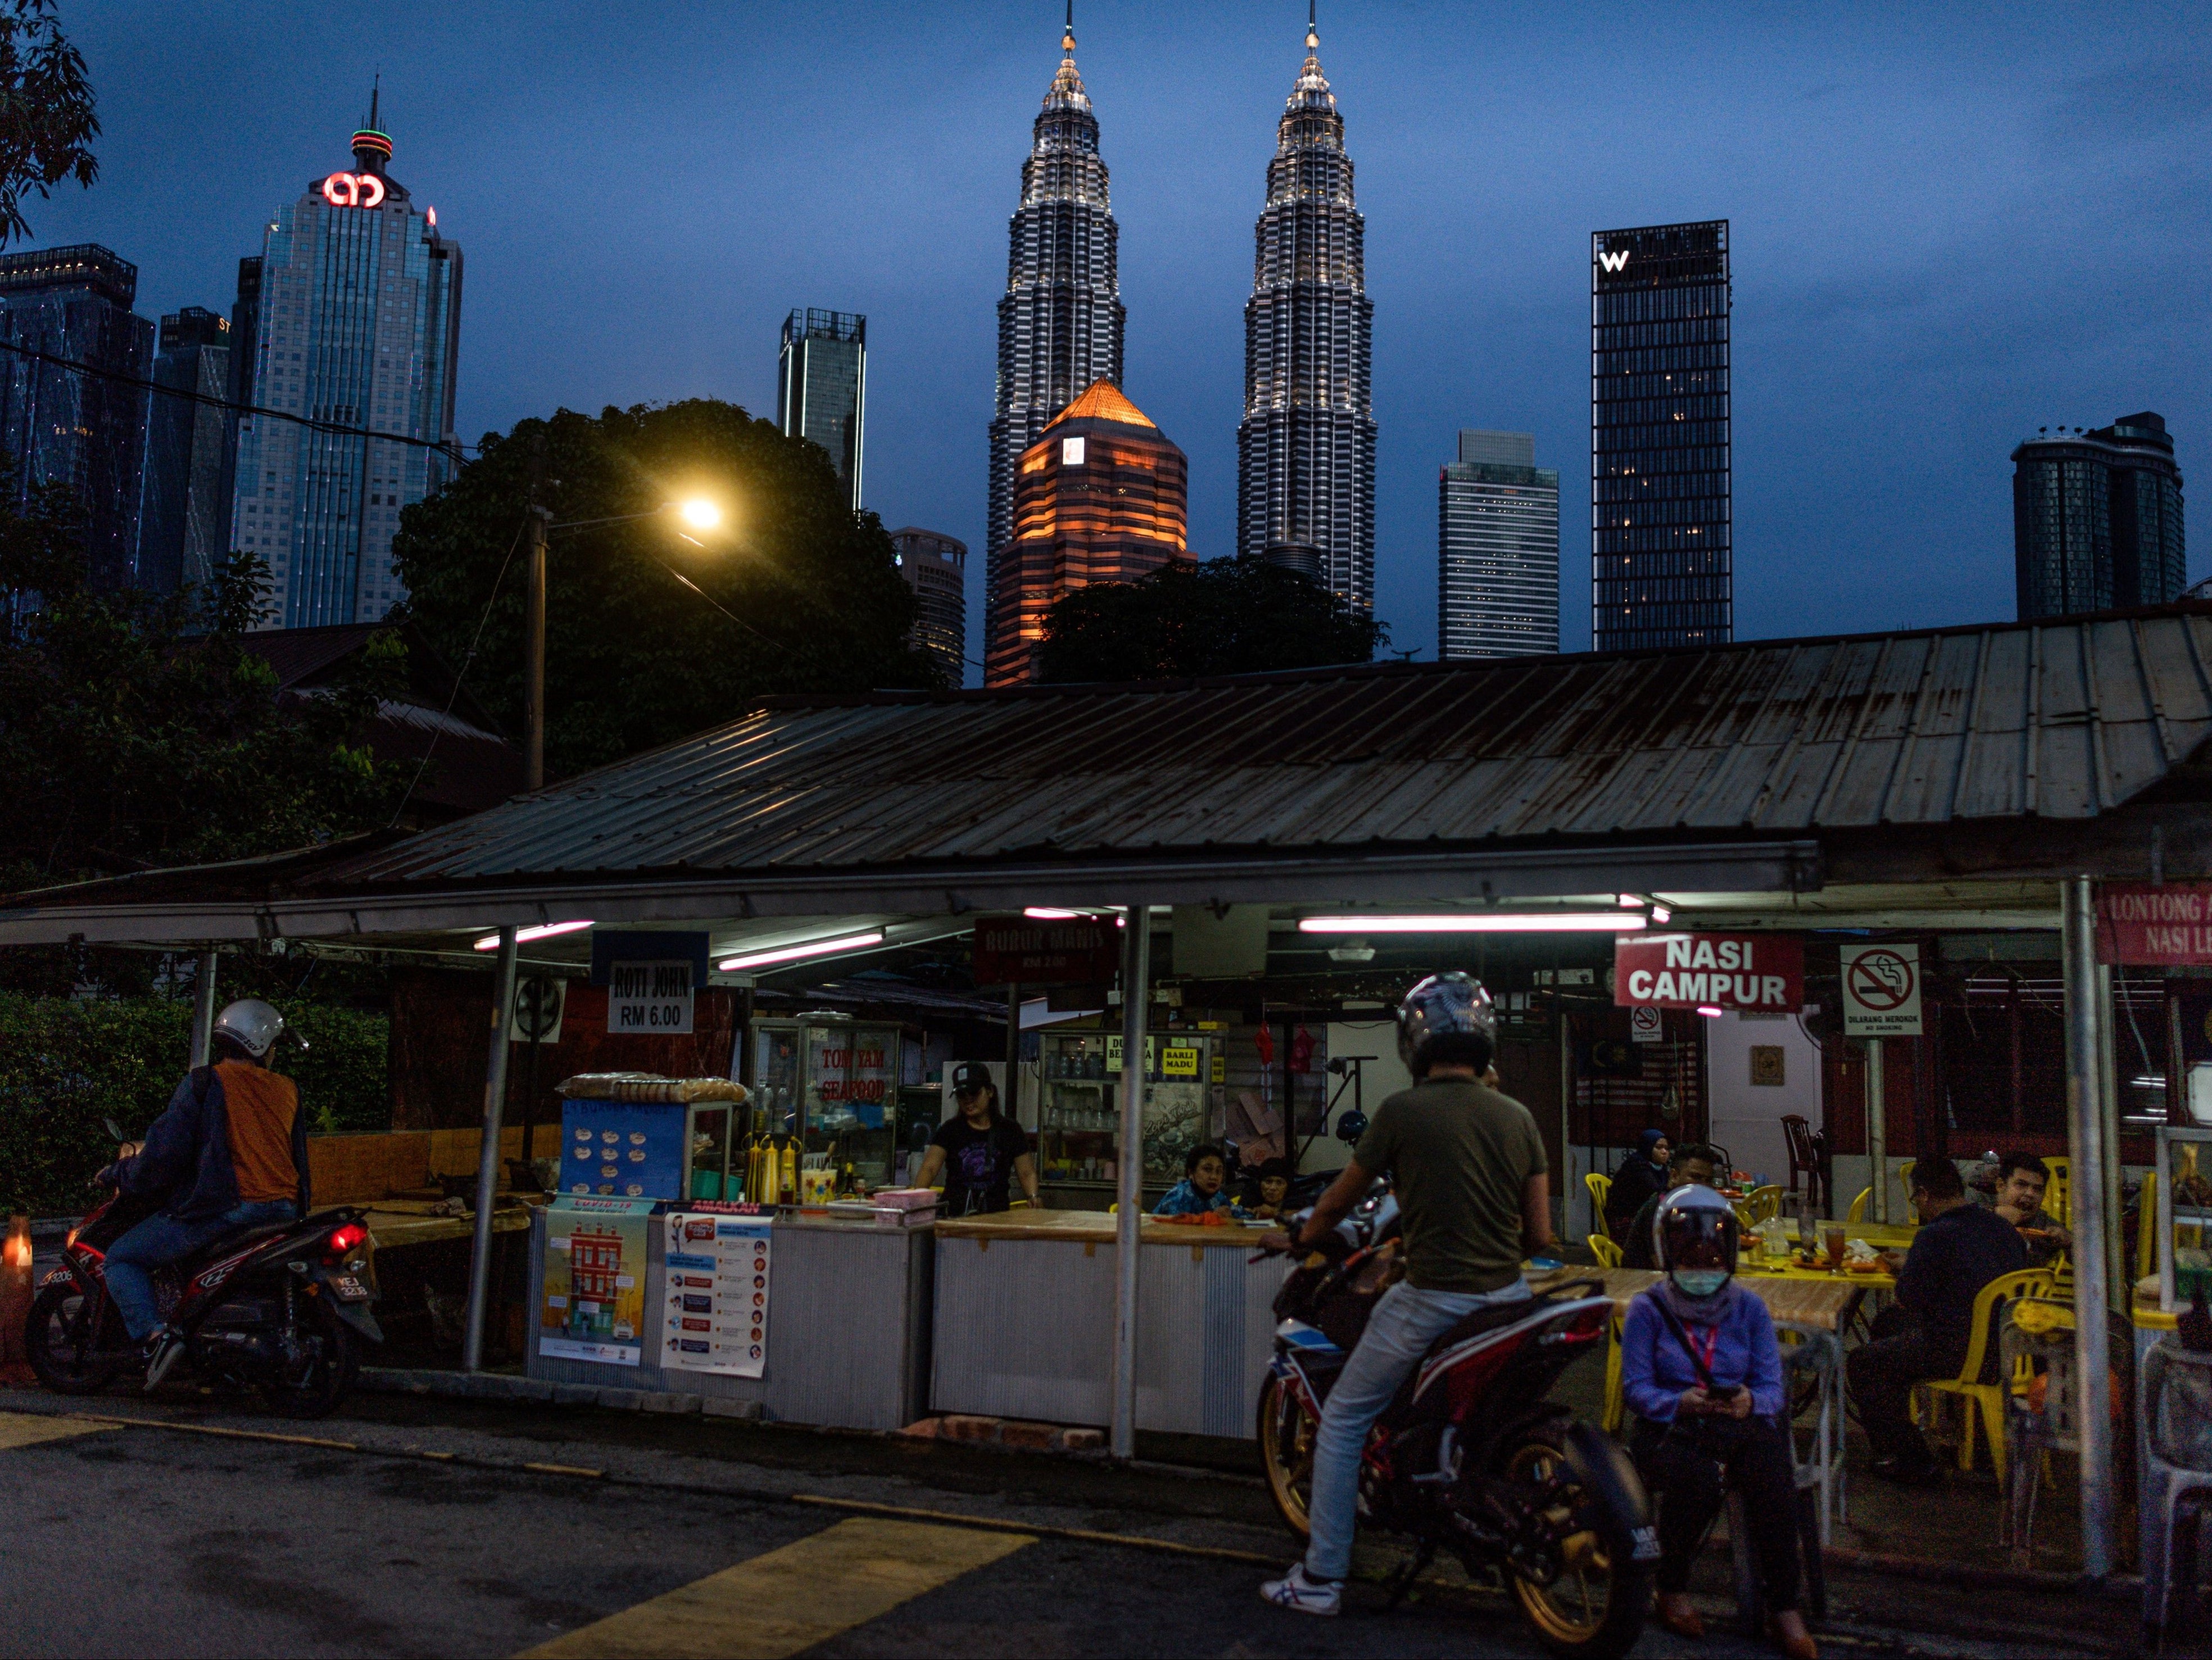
pixel 1104 402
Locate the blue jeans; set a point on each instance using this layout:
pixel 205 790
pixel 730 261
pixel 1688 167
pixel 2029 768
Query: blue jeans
pixel 159 1239
pixel 1399 1333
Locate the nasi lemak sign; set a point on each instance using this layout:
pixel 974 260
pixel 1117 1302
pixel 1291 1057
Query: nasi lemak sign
pixel 1762 973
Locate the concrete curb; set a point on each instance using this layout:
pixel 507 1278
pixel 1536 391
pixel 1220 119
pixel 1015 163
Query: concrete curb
pixel 505 1386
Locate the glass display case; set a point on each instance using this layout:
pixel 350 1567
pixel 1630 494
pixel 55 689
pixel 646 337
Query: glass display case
pixel 1079 1118
pixel 833 1084
pixel 2184 1213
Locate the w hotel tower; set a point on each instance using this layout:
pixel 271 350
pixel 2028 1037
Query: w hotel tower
pixel 352 317
pixel 1661 554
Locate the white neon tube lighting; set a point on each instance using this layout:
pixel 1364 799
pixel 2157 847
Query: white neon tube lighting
pixel 543 931
pixel 1557 921
pixel 1052 914
pixel 761 959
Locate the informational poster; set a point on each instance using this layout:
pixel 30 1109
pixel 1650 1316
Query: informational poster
pixel 1881 991
pixel 594 1307
pixel 716 1316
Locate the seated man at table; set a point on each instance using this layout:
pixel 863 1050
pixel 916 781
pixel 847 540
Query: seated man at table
pixel 2022 1180
pixel 1694 1163
pixel 1960 1247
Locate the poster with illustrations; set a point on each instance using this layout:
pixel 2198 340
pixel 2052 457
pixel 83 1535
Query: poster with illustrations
pixel 594 1307
pixel 623 1149
pixel 716 1317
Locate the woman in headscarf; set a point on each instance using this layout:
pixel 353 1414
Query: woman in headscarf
pixel 1642 1173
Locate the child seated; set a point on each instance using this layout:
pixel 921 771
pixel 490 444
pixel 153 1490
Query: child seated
pixel 1204 1171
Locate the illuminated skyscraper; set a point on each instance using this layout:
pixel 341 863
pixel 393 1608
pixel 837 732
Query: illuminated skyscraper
pixel 936 568
pixel 1100 498
pixel 822 387
pixel 1662 534
pixel 1305 450
pixel 2097 519
pixel 1498 550
pixel 356 311
pixel 1060 319
pixel 184 513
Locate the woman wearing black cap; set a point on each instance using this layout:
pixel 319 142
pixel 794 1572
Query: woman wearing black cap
pixel 980 1154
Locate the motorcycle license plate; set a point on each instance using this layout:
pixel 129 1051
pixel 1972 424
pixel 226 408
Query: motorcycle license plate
pixel 350 1289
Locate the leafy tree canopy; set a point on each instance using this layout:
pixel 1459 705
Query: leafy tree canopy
pixel 1241 616
pixel 46 119
pixel 655 631
pixel 137 731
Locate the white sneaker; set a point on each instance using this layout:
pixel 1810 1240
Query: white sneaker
pixel 1294 1591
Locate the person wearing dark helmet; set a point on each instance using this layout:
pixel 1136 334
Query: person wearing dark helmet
pixel 1474 1194
pixel 229 1153
pixel 1700 1369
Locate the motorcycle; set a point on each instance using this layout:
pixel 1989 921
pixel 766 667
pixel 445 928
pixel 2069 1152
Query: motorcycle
pixel 282 1309
pixel 1470 1457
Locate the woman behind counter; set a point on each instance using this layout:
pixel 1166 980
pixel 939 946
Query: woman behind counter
pixel 978 1154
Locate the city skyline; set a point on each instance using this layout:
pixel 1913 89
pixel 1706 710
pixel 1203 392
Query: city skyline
pixel 1909 310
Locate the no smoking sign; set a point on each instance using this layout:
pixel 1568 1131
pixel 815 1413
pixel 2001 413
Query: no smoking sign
pixel 1881 991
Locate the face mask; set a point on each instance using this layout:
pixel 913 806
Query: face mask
pixel 1699 1282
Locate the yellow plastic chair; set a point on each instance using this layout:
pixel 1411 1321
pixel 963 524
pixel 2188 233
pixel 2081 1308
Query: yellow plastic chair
pixel 1859 1206
pixel 2058 1197
pixel 1608 1252
pixel 1600 1193
pixel 1904 1177
pixel 1974 1394
pixel 1762 1204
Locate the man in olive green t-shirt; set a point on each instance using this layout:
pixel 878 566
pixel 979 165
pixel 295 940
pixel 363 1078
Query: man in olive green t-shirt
pixel 1473 1200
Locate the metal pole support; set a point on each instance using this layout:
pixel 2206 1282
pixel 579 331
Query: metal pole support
pixel 203 1010
pixel 2088 1044
pixel 502 1001
pixel 1877 1133
pixel 1129 1175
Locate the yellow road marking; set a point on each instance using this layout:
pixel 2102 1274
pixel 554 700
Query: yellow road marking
pixel 790 1599
pixel 28 1429
pixel 562 1469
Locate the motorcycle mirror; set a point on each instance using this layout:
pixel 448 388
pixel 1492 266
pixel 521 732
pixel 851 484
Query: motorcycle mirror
pixel 1350 1126
pixel 114 1130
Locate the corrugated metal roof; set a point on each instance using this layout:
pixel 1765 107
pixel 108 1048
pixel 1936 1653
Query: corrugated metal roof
pixel 2058 721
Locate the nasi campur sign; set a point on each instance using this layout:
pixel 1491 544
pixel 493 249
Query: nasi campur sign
pixel 1761 972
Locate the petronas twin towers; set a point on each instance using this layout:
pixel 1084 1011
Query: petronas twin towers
pixel 1305 448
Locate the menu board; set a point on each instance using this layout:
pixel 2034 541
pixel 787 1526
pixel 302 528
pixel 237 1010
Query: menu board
pixel 595 1300
pixel 623 1149
pixel 715 1317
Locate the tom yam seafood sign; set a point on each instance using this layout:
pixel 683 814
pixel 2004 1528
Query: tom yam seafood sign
pixel 2169 927
pixel 1761 972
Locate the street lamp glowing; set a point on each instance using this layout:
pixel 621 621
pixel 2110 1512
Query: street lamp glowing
pixel 700 514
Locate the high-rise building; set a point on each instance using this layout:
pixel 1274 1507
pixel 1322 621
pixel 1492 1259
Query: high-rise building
pixel 1662 551
pixel 1100 498
pixel 1498 550
pixel 1305 450
pixel 60 425
pixel 1060 319
pixel 936 568
pixel 184 513
pixel 822 387
pixel 356 302
pixel 2096 519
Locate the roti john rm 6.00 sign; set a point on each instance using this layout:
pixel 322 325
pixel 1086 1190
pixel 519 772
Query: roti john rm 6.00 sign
pixel 1764 973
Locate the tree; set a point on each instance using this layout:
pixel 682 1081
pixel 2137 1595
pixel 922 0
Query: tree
pixel 651 636
pixel 1241 616
pixel 46 118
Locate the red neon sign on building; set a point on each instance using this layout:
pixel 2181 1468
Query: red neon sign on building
pixel 353 190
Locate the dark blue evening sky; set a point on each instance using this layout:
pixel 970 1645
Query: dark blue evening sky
pixel 1951 224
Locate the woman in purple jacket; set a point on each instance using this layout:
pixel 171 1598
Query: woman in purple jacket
pixel 1701 1370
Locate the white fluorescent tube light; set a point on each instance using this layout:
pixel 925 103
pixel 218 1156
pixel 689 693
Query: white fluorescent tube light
pixel 543 931
pixel 1052 914
pixel 761 959
pixel 1557 921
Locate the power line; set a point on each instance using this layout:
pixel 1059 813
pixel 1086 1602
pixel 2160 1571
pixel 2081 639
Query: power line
pixel 337 429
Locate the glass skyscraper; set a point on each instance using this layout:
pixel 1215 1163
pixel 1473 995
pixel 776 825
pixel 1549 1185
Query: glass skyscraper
pixel 356 305
pixel 1498 550
pixel 822 387
pixel 61 426
pixel 183 517
pixel 1662 551
pixel 935 567
pixel 2097 519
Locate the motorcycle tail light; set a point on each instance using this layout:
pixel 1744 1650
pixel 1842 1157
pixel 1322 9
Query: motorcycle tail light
pixel 345 1239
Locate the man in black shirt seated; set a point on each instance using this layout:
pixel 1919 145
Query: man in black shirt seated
pixel 1693 1162
pixel 1959 1249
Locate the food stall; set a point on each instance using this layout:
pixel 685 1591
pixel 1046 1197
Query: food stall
pixel 1078 1116
pixel 832 1082
pixel 653 1279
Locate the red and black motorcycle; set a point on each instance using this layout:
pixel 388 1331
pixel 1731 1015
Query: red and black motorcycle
pixel 281 1309
pixel 1470 1457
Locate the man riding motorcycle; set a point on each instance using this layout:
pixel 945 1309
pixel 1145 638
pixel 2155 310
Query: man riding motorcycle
pixel 1467 1166
pixel 229 1153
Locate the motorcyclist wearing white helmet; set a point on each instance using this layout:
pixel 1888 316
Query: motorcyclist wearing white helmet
pixel 229 1153
pixel 1474 1197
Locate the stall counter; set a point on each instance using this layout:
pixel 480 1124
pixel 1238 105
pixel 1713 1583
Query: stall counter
pixel 1024 1321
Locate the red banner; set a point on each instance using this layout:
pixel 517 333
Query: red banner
pixel 1021 950
pixel 2142 926
pixel 1761 972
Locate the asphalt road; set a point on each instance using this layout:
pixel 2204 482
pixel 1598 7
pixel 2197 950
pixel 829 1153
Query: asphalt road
pixel 420 1528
